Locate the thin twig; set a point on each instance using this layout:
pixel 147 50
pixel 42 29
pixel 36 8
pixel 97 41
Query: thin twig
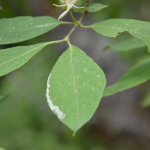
pixel 80 20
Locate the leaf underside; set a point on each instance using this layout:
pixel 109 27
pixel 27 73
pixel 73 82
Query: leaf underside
pixel 133 77
pixel 75 87
pixel 128 44
pixel 111 28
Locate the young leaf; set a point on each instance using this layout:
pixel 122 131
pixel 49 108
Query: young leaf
pixel 3 98
pixel 23 28
pixel 133 77
pixel 79 3
pixel 129 44
pixel 13 58
pixel 95 7
pixel 112 27
pixel 75 87
pixel 146 101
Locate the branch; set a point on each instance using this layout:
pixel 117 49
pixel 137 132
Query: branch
pixel 79 21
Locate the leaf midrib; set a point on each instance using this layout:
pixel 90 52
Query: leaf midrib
pixel 71 50
pixel 22 54
pixel 24 29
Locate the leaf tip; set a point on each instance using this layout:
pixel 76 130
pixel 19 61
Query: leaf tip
pixel 106 5
pixel 74 134
pixel 106 47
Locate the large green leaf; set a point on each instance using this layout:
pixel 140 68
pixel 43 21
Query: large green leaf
pixel 112 27
pixel 13 58
pixel 3 98
pixel 128 44
pixel 23 28
pixel 75 87
pixel 133 77
pixel 95 7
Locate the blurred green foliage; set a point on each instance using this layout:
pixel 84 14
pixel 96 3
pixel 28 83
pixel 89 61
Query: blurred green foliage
pixel 3 97
pixel 26 122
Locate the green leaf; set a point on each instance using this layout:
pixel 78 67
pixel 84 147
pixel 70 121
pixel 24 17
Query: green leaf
pixel 146 101
pixel 79 3
pixel 112 27
pixel 75 87
pixel 129 44
pixel 133 77
pixel 13 58
pixel 3 98
pixel 95 7
pixel 23 28
pixel 1 149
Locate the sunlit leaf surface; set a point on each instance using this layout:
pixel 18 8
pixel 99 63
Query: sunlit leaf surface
pixel 75 87
pixel 23 28
pixel 13 58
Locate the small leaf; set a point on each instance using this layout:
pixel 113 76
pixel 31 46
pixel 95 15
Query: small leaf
pixel 133 77
pixel 129 44
pixel 13 58
pixel 75 87
pixel 146 101
pixel 3 98
pixel 112 27
pixel 79 3
pixel 23 28
pixel 95 7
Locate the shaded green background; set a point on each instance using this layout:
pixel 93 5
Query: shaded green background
pixel 26 122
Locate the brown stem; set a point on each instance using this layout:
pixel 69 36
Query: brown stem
pixel 85 12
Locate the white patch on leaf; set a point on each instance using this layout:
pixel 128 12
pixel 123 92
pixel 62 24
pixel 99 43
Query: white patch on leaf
pixel 52 107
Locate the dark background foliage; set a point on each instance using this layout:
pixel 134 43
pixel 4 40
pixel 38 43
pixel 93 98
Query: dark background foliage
pixel 120 122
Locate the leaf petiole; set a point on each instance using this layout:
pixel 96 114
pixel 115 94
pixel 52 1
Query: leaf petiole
pixel 74 18
pixel 58 41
